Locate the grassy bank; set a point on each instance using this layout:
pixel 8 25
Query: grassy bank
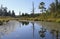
pixel 6 19
pixel 41 19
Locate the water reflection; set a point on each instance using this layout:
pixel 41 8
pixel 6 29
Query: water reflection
pixel 30 30
pixel 33 28
pixel 52 28
pixel 25 23
pixel 55 33
pixel 42 32
pixel 52 32
pixel 7 28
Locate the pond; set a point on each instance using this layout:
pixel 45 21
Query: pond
pixel 30 30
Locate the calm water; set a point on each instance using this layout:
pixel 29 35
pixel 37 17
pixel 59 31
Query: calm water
pixel 30 30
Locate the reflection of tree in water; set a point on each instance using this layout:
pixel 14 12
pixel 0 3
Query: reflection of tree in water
pixel 1 34
pixel 25 23
pixel 33 28
pixel 8 28
pixel 53 27
pixel 42 32
pixel 52 32
pixel 55 33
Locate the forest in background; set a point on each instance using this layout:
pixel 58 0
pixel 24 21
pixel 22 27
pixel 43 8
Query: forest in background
pixel 52 14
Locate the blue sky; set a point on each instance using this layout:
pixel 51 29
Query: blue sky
pixel 24 6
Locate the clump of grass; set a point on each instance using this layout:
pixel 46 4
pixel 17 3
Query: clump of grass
pixel 1 23
pixel 58 20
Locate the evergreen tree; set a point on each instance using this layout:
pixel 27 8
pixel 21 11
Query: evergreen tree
pixel 13 13
pixel 9 13
pixel 41 6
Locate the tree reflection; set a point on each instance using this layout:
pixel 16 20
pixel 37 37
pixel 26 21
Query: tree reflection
pixel 33 28
pixel 52 32
pixel 55 33
pixel 42 32
pixel 1 34
pixel 25 23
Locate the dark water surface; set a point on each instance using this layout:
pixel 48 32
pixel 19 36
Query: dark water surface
pixel 30 30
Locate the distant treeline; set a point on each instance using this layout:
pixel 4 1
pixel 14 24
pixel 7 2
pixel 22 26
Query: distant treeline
pixel 4 12
pixel 29 15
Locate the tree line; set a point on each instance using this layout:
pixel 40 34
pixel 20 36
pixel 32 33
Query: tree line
pixel 4 12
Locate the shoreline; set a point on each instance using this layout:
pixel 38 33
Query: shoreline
pixel 23 19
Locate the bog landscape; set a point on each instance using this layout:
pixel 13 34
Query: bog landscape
pixel 29 19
